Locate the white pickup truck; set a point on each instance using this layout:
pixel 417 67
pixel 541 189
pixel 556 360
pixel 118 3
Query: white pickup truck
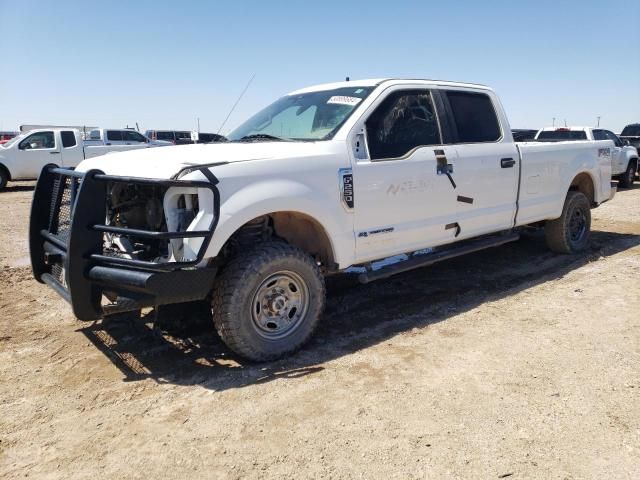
pixel 24 156
pixel 325 178
pixel 624 157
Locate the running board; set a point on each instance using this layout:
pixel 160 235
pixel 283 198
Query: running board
pixel 429 259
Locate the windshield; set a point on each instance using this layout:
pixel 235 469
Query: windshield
pixel 631 131
pixel 562 135
pixel 307 116
pixel 14 140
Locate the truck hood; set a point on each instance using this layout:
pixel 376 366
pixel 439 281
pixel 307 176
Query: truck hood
pixel 163 163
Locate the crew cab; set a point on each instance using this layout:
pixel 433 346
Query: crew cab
pixel 624 158
pixel 326 178
pixel 24 156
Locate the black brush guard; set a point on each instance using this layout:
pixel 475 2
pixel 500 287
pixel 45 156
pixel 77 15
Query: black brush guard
pixel 66 240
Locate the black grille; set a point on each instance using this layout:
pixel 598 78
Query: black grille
pixel 58 272
pixel 61 210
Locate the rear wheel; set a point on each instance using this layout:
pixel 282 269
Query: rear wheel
pixel 267 301
pixel 570 233
pixel 627 178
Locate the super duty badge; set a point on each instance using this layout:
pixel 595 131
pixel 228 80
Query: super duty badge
pixel 346 187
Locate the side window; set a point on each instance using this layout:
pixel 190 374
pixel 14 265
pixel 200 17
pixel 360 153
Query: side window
pixel 94 135
pixel 474 117
pixel 131 136
pixel 114 135
pixel 406 119
pixel 68 139
pixel 614 137
pixel 599 135
pixel 165 136
pixel 38 141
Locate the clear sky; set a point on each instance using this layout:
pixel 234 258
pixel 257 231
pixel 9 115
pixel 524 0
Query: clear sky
pixel 165 63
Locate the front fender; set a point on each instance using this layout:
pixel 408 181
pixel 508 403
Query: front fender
pixel 282 195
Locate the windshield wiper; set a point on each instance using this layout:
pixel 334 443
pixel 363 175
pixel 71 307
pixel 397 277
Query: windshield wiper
pixel 261 136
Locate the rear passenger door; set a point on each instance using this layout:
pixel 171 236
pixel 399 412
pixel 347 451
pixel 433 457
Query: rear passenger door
pixel 114 137
pixel 486 165
pixel 134 139
pixel 71 151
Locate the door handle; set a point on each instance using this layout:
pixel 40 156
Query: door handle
pixel 54 153
pixel 507 163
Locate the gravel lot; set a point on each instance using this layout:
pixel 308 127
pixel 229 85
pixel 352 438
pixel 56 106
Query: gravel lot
pixel 510 363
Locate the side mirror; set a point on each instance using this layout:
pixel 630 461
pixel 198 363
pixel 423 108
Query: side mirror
pixel 626 142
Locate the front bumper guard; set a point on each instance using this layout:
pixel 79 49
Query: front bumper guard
pixel 66 233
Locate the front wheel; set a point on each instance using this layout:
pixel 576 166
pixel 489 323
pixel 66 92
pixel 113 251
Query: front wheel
pixel 268 300
pixel 4 178
pixel 570 233
pixel 627 178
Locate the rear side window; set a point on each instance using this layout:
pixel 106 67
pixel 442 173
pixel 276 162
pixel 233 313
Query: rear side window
pixel 562 134
pixel 164 136
pixel 114 135
pixel 474 117
pixel 599 135
pixel 403 121
pixel 183 135
pixel 68 139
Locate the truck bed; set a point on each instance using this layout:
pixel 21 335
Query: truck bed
pixel 548 168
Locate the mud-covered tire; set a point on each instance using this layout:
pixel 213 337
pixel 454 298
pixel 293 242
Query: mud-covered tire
pixel 570 233
pixel 627 178
pixel 4 178
pixel 253 315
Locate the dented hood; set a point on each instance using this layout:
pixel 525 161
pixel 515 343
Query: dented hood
pixel 163 163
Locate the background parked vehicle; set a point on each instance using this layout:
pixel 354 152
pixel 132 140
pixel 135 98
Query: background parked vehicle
pixel 254 224
pixel 177 137
pixel 182 137
pixel 24 156
pixel 104 136
pixel 624 158
pixel 208 137
pixel 523 134
pixel 6 136
pixel 631 134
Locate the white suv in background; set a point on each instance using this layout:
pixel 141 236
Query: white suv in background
pixel 110 136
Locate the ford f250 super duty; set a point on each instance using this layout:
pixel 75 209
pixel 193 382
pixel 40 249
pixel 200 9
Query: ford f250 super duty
pixel 325 178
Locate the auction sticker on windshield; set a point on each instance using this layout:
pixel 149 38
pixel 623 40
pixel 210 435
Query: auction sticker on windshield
pixel 343 100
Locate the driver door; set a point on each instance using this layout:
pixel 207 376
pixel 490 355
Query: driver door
pixel 402 203
pixel 36 151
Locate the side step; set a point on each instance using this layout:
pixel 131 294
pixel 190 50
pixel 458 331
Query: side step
pixel 429 259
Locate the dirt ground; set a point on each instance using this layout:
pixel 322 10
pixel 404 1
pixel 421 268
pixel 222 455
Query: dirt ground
pixel 510 363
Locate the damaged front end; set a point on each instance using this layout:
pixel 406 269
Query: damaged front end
pixel 109 244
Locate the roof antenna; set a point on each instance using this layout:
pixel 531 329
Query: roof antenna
pixel 238 100
pixel 346 79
